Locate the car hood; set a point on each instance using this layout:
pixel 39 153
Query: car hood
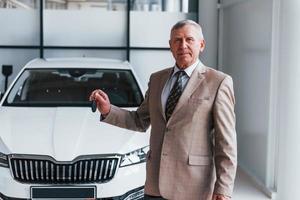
pixel 63 133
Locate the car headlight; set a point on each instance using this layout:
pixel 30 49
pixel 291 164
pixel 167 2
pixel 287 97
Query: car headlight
pixel 135 157
pixel 3 160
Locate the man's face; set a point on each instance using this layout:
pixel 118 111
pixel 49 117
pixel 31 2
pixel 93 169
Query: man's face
pixel 186 45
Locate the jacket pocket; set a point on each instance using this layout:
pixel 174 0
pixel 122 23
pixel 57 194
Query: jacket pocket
pixel 199 160
pixel 198 100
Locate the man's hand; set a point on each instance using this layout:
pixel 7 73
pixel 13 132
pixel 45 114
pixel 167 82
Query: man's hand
pixel 220 197
pixel 102 100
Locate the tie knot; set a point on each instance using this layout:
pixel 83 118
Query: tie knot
pixel 180 73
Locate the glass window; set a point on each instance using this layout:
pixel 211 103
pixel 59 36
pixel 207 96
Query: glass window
pixel 144 65
pixel 85 23
pixel 184 6
pixel 72 87
pixel 19 22
pixel 147 29
pixel 18 4
pixel 17 58
pixel 110 5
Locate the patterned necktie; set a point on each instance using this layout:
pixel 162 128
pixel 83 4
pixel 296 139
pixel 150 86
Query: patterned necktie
pixel 174 94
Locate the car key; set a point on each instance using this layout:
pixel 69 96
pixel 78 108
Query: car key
pixel 94 106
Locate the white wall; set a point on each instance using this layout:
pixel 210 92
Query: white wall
pixel 246 29
pixel 288 101
pixel 208 19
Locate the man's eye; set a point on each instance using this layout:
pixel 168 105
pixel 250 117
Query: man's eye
pixel 190 39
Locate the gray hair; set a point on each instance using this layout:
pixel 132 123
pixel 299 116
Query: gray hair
pixel 186 22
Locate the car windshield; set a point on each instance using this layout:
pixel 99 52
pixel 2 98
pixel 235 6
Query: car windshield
pixel 72 87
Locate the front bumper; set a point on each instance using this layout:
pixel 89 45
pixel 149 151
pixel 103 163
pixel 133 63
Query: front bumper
pixel 136 194
pixel 127 184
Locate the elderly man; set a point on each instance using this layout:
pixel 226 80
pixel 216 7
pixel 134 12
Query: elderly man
pixel 190 108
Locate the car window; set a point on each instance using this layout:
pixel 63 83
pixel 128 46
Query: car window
pixel 72 87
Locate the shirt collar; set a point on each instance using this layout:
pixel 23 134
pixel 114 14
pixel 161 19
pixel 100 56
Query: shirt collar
pixel 189 70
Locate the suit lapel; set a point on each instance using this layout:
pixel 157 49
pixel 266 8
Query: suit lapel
pixel 164 78
pixel 195 80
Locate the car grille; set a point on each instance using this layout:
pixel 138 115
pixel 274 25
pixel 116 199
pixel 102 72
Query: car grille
pixel 45 170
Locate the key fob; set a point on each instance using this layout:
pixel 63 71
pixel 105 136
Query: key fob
pixel 94 106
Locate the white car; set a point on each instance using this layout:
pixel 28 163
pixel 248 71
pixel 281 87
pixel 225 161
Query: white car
pixel 53 146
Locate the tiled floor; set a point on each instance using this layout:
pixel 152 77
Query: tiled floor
pixel 244 189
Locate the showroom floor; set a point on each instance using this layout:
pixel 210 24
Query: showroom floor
pixel 245 189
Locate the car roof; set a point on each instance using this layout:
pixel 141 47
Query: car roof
pixel 81 62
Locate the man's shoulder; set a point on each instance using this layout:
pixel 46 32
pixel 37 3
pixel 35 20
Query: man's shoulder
pixel 162 72
pixel 214 73
pixel 215 78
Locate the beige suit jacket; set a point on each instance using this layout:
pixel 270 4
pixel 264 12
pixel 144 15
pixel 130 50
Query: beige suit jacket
pixel 193 155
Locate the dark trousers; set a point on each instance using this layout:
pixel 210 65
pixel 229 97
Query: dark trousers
pixel 149 197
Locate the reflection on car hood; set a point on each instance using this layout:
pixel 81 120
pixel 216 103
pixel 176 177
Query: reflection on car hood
pixel 63 133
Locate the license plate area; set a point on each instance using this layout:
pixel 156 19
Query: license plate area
pixel 63 192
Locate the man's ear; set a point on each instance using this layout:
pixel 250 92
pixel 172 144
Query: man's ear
pixel 202 45
pixel 170 43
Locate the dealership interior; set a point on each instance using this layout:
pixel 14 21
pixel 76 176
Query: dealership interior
pixel 255 41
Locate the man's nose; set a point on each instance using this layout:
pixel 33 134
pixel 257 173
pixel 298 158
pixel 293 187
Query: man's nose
pixel 183 44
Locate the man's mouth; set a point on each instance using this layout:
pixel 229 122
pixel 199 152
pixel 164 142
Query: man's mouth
pixel 183 54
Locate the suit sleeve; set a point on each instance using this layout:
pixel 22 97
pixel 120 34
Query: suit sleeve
pixel 225 148
pixel 138 120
